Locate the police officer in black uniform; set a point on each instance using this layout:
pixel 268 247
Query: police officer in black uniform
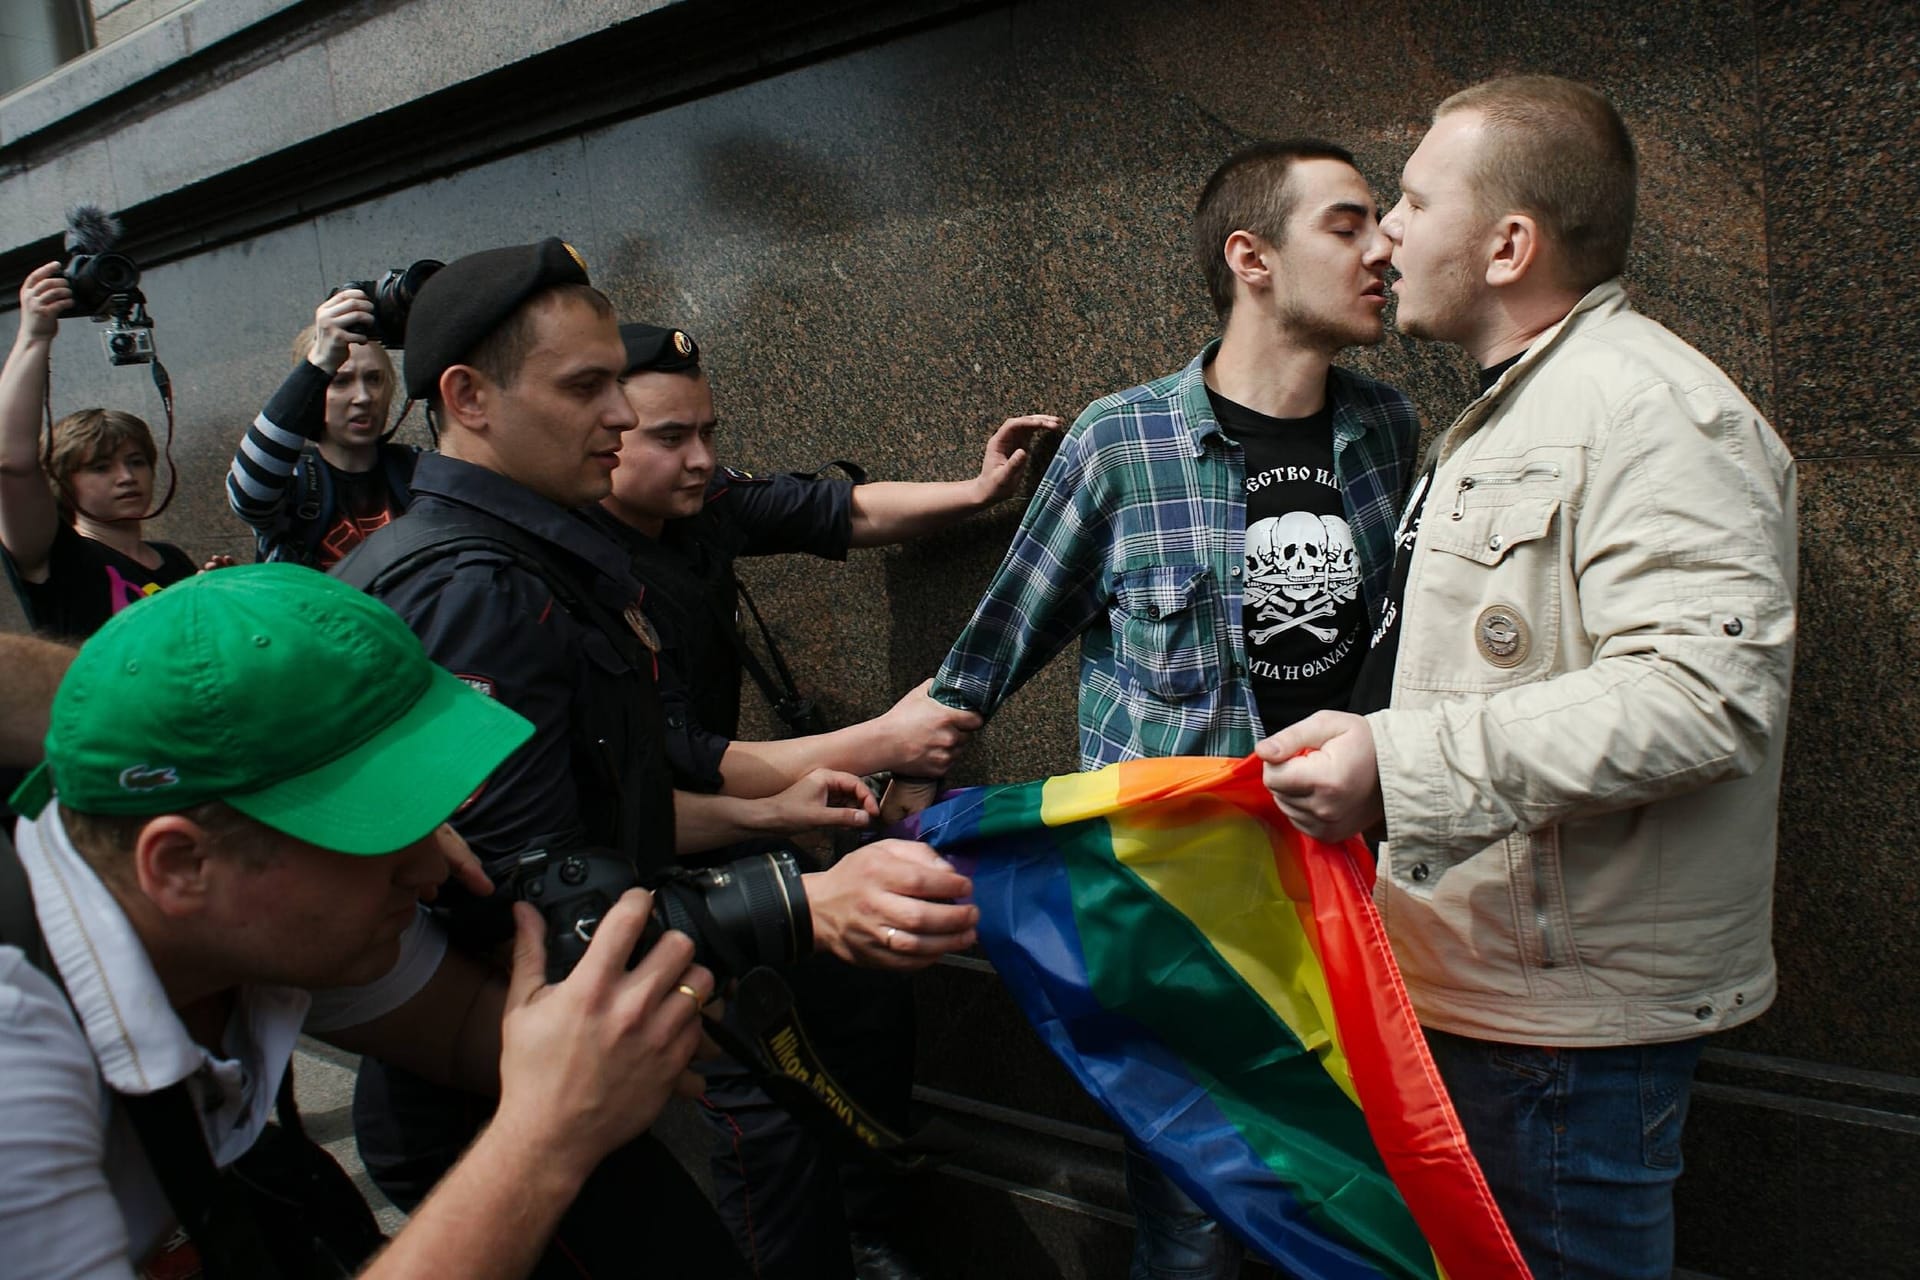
pixel 776 1186
pixel 519 360
pixel 596 770
pixel 685 521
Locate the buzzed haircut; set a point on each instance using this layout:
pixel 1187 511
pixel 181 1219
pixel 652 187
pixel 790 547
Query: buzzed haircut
pixel 501 353
pixel 107 841
pixel 1559 152
pixel 1250 192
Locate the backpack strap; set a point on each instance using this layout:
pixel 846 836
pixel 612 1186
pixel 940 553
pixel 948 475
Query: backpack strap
pixel 396 464
pixel 407 546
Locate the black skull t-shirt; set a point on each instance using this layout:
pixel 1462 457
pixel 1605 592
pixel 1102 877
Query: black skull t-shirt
pixel 1303 615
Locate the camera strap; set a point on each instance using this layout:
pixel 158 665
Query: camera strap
pixel 798 712
pixel 163 383
pixel 775 1050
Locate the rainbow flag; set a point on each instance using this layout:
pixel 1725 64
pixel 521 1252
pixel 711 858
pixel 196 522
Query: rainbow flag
pixel 1223 987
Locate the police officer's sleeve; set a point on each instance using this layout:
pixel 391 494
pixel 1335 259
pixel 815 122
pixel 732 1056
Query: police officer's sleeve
pixel 780 514
pixel 498 628
pixel 692 751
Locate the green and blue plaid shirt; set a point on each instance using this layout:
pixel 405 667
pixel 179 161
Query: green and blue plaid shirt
pixel 1141 523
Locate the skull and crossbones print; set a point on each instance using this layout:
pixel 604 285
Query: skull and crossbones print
pixel 1300 568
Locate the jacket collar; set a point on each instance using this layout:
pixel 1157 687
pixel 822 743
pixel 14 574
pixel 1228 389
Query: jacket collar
pixel 475 486
pixel 138 1041
pixel 1605 299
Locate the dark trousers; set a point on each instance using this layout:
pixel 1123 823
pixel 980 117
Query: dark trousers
pixel 785 1193
pixel 639 1214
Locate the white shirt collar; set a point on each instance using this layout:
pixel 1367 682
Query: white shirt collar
pixel 138 1040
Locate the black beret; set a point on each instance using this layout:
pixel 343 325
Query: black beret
pixel 470 297
pixel 651 349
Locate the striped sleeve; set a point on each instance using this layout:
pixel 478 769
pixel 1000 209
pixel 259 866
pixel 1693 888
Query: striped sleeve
pixel 263 464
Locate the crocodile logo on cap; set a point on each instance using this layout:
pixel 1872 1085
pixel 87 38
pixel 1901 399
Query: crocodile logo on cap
pixel 148 777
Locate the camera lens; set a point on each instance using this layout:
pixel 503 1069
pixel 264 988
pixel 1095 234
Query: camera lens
pixel 748 913
pixel 393 300
pixel 115 273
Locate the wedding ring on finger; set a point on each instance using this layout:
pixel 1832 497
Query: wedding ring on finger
pixel 691 994
pixel 888 937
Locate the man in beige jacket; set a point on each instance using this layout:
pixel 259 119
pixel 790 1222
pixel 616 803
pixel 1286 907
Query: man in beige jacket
pixel 1572 719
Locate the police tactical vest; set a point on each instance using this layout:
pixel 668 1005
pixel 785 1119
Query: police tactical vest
pixel 615 732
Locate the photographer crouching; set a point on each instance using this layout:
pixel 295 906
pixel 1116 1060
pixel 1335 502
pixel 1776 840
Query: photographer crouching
pixel 519 360
pixel 212 868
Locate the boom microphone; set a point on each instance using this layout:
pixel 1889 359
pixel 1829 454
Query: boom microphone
pixel 91 230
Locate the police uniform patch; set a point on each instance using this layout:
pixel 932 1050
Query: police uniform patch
pixel 642 626
pixel 682 343
pixel 575 255
pixel 1502 635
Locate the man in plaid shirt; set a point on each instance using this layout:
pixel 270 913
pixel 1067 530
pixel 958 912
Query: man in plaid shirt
pixel 1219 540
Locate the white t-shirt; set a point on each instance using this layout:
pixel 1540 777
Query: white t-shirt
pixel 77 1196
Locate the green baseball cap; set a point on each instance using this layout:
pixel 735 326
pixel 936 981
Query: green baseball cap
pixel 294 698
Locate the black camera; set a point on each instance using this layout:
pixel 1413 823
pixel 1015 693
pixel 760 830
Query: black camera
pixel 103 284
pixel 106 285
pixel 742 915
pixel 392 297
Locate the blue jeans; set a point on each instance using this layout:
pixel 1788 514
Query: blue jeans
pixel 1174 1239
pixel 1581 1147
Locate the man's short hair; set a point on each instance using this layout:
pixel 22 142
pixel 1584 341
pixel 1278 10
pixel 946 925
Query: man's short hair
pixel 501 354
pixel 1559 152
pixel 91 434
pixel 106 841
pixel 1250 191
pixel 465 304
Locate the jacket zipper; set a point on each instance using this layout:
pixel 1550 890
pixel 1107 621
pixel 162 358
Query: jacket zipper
pixel 1541 922
pixel 1550 470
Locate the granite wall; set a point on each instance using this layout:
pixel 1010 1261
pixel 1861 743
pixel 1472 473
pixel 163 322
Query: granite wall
pixel 891 234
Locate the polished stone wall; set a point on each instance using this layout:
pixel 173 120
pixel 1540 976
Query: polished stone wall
pixel 947 217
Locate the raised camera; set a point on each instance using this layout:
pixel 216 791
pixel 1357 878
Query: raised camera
pixel 102 283
pixel 392 297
